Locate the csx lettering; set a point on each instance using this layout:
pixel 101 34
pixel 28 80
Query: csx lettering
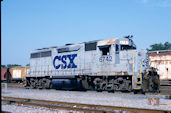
pixel 64 63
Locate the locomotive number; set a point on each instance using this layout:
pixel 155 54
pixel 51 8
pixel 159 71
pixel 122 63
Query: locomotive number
pixel 105 58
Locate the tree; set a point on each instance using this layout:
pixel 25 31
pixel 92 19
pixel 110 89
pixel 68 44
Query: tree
pixel 27 64
pixel 3 66
pixel 160 46
pixel 12 65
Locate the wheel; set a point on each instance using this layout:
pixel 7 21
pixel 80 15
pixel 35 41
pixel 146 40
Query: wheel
pixel 47 84
pixel 97 83
pixel 129 88
pixel 135 91
pixel 40 84
pixel 85 84
pixel 142 92
pixel 50 86
pixel 44 83
pixel 32 83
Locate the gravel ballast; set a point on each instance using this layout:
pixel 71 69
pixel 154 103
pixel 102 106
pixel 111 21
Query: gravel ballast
pixel 13 108
pixel 94 98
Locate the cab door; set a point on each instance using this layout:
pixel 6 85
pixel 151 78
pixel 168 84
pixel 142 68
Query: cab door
pixel 117 59
pixel 105 59
pixel 106 56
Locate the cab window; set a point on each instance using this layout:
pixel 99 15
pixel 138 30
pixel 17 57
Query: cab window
pixel 105 50
pixel 127 47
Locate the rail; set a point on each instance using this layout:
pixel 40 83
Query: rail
pixel 76 106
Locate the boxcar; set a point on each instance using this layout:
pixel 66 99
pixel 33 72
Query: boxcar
pixel 5 75
pixel 18 73
pixel 161 60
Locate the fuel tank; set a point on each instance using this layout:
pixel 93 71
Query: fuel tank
pixel 68 84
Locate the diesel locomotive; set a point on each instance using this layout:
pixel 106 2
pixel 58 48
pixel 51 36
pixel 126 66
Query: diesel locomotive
pixel 102 65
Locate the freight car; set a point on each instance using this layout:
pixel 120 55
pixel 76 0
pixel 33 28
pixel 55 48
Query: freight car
pixel 112 65
pixel 18 73
pixel 161 60
pixel 5 75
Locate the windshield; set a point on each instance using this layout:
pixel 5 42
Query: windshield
pixel 127 47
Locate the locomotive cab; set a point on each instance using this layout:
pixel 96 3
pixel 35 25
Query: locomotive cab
pixel 108 51
pixel 143 78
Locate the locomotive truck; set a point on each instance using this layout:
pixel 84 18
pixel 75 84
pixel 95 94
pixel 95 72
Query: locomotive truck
pixel 110 65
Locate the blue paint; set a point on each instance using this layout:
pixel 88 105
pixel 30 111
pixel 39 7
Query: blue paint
pixel 56 58
pixel 63 59
pixel 64 65
pixel 71 58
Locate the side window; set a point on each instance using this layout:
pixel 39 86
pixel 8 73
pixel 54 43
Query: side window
pixel 46 54
pixel 105 50
pixel 35 55
pixel 90 46
pixel 63 50
pixel 41 54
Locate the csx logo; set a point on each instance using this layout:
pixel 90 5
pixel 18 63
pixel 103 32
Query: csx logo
pixel 63 60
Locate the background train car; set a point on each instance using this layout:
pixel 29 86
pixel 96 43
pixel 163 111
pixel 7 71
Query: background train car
pixel 3 72
pixel 5 75
pixel 161 60
pixel 18 73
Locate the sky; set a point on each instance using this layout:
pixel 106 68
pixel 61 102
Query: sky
pixel 27 25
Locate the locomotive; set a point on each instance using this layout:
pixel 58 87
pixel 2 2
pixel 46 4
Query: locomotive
pixel 101 65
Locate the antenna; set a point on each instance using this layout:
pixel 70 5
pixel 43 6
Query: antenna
pixel 129 36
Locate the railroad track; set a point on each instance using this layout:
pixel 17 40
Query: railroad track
pixel 15 85
pixel 165 89
pixel 75 106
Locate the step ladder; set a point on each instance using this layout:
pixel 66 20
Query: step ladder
pixel 138 82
